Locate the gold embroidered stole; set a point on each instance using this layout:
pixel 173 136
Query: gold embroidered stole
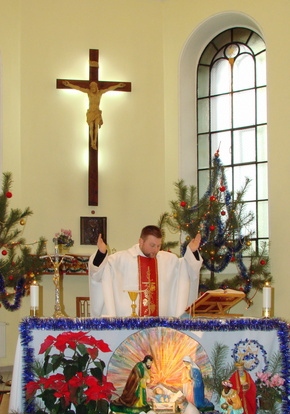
pixel 148 285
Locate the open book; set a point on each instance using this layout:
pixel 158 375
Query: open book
pixel 215 302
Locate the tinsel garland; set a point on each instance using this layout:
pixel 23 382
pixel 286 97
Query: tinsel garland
pixel 19 293
pixel 102 324
pixel 234 251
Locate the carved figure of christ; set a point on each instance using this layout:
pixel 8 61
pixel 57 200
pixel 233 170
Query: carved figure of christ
pixel 94 89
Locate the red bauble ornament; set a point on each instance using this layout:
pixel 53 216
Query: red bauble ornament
pixel 222 188
pixel 212 198
pixel 8 194
pixel 212 227
pixel 11 277
pixel 183 203
pixel 263 262
pixel 233 259
pixel 223 213
pixel 4 252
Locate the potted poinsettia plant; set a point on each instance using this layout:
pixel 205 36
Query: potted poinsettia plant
pixel 269 389
pixel 270 384
pixel 70 378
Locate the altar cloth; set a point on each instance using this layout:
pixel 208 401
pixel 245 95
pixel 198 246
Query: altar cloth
pixel 131 338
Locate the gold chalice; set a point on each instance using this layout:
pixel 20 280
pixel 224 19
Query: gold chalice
pixel 133 294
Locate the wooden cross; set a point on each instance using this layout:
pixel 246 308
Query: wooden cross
pixel 94 89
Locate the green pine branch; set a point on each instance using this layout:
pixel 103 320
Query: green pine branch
pixel 224 221
pixel 18 261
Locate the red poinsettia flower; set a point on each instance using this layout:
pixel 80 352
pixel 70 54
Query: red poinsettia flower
pixel 49 340
pixel 95 391
pixel 54 381
pixel 77 380
pixel 93 352
pixel 64 392
pixel 31 388
pixel 68 386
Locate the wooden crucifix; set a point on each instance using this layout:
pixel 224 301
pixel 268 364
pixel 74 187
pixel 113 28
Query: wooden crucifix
pixel 94 89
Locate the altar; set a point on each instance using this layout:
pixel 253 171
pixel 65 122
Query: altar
pixel 168 341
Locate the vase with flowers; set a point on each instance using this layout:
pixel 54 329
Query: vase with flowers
pixel 269 389
pixel 64 240
pixel 70 377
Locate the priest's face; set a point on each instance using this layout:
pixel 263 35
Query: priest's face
pixel 150 246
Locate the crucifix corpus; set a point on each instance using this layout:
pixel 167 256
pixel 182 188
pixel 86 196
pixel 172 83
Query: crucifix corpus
pixel 94 89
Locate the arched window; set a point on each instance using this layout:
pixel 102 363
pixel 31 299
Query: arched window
pixel 232 117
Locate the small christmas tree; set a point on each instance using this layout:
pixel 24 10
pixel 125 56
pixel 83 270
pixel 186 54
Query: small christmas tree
pixel 18 266
pixel 223 223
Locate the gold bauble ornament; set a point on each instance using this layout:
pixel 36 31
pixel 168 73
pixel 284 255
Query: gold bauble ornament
pixel 248 243
pixel 22 222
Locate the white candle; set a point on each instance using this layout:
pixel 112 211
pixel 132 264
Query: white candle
pixel 267 296
pixel 34 295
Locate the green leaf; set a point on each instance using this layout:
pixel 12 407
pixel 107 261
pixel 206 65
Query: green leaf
pixel 82 362
pixel 97 373
pixel 48 398
pixel 69 371
pixel 82 349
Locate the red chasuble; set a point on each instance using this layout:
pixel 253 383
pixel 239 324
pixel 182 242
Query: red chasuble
pixel 148 285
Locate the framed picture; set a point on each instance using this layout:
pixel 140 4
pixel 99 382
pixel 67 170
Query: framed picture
pixel 91 227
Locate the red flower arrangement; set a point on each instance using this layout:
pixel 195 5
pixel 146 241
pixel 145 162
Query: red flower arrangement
pixel 70 380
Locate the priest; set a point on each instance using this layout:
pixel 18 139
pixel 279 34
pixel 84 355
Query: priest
pixel 163 283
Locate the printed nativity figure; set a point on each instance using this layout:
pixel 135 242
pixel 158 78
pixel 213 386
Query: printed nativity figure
pixel 230 402
pixel 246 388
pixel 94 114
pixel 171 400
pixel 193 386
pixel 186 407
pixel 134 395
pixel 167 285
pixel 160 396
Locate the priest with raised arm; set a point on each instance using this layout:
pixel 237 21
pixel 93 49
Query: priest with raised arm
pixel 166 284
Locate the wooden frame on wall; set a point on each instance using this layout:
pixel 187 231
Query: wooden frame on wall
pixel 91 227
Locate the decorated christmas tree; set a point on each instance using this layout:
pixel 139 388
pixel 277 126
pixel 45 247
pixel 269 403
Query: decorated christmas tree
pixel 19 267
pixel 224 222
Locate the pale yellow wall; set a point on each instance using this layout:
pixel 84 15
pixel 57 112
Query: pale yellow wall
pixel 45 134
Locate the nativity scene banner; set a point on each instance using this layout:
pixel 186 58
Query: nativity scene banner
pixel 132 365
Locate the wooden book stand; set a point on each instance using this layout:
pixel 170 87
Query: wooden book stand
pixel 216 303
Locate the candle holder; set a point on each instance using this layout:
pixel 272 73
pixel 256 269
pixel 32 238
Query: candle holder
pixel 56 261
pixel 266 312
